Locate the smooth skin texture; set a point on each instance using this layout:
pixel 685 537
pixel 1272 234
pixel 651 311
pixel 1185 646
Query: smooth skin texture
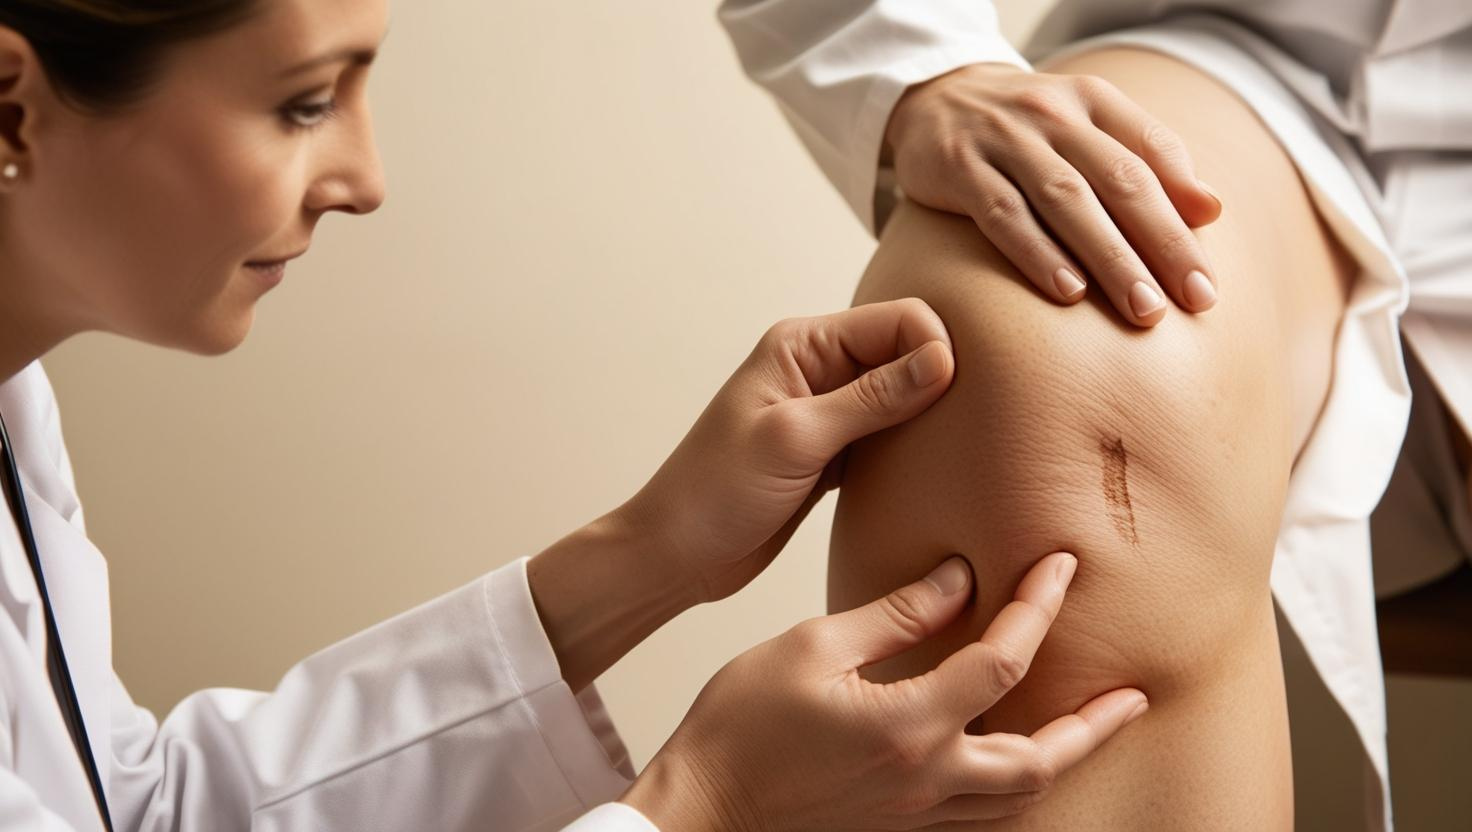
pixel 1159 457
pixel 144 223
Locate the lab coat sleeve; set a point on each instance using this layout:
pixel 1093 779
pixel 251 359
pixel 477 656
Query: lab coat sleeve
pixel 450 716
pixel 613 817
pixel 837 68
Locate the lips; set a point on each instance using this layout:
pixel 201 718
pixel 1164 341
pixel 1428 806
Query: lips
pixel 274 262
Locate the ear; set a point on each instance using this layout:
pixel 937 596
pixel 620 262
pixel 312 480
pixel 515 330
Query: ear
pixel 26 97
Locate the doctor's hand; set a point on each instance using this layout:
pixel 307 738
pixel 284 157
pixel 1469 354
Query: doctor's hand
pixel 771 443
pixel 1067 177
pixel 789 736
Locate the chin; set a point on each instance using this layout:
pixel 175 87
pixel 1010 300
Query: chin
pixel 215 337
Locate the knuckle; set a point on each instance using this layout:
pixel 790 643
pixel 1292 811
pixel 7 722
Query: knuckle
pixel 1177 244
pixel 1092 87
pixel 907 612
pixel 783 428
pixel 957 150
pixel 1042 102
pixel 1037 771
pixel 782 332
pixel 1037 250
pixel 1128 175
pixel 1063 190
pixel 1115 256
pixel 876 391
pixel 1002 208
pixel 810 637
pixel 1007 667
pixel 1161 141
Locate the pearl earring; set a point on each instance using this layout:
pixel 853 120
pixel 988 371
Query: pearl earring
pixel 11 171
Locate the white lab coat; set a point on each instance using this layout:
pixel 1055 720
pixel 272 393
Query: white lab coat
pixel 1373 101
pixel 449 716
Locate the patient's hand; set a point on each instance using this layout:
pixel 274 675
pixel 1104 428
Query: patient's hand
pixel 789 736
pixel 993 141
pixel 771 442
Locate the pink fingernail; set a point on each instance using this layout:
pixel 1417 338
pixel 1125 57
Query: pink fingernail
pixel 950 577
pixel 1210 192
pixel 1139 710
pixel 1199 291
pixel 1144 300
pixel 927 365
pixel 1067 283
pixel 1063 572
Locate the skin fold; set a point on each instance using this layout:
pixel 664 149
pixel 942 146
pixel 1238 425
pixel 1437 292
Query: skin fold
pixel 1159 457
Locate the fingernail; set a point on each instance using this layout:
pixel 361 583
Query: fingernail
pixel 1138 711
pixel 928 364
pixel 1144 300
pixel 1063 572
pixel 1210 192
pixel 1067 283
pixel 1200 294
pixel 950 577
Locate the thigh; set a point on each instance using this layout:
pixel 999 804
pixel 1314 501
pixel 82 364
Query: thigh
pixel 1159 457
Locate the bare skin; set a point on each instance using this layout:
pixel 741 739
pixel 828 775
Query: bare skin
pixel 1159 457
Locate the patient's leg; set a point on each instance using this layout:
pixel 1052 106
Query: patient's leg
pixel 1159 457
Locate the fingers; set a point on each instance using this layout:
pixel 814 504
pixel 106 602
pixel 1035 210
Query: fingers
pixel 830 350
pixel 1066 202
pixel 905 617
pixel 880 398
pixel 1136 200
pixel 1072 737
pixel 1118 115
pixel 973 678
pixel 1003 215
pixel 997 775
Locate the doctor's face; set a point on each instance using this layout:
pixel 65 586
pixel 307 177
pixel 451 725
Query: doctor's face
pixel 162 222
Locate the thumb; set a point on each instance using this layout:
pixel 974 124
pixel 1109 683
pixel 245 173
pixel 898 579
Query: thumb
pixel 905 617
pixel 882 397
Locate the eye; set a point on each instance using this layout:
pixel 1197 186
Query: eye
pixel 308 114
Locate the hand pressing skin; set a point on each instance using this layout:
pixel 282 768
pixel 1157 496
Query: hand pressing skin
pixel 788 736
pixel 765 450
pixel 1067 177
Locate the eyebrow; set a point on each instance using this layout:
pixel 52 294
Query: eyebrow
pixel 355 55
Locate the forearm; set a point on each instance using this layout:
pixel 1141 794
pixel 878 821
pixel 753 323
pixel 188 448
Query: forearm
pixel 600 591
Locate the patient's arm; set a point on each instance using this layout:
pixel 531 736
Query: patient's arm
pixel 1159 457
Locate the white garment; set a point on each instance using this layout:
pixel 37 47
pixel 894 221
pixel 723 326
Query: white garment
pixel 1374 106
pixel 452 715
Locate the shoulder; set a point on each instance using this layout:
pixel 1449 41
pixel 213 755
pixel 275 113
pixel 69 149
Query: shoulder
pixel 33 421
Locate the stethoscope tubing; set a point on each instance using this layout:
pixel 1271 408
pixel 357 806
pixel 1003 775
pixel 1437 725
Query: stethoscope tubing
pixel 61 677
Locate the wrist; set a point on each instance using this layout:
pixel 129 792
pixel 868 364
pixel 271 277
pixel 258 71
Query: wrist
pixel 673 795
pixel 602 590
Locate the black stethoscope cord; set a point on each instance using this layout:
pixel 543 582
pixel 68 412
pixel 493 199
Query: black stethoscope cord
pixel 61 677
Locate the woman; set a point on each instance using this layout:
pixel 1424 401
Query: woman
pixel 1192 462
pixel 159 163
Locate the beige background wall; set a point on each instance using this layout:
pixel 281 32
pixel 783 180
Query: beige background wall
pixel 592 217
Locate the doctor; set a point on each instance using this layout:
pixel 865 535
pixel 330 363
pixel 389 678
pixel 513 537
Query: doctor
pixel 160 161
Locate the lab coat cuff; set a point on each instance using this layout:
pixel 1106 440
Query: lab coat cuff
pixel 612 817
pixel 576 729
pixel 871 190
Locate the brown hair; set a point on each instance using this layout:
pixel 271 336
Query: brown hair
pixel 103 55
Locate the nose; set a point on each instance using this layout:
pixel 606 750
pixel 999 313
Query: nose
pixel 352 179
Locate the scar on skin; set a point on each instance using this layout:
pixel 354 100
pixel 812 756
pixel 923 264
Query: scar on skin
pixel 1117 489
